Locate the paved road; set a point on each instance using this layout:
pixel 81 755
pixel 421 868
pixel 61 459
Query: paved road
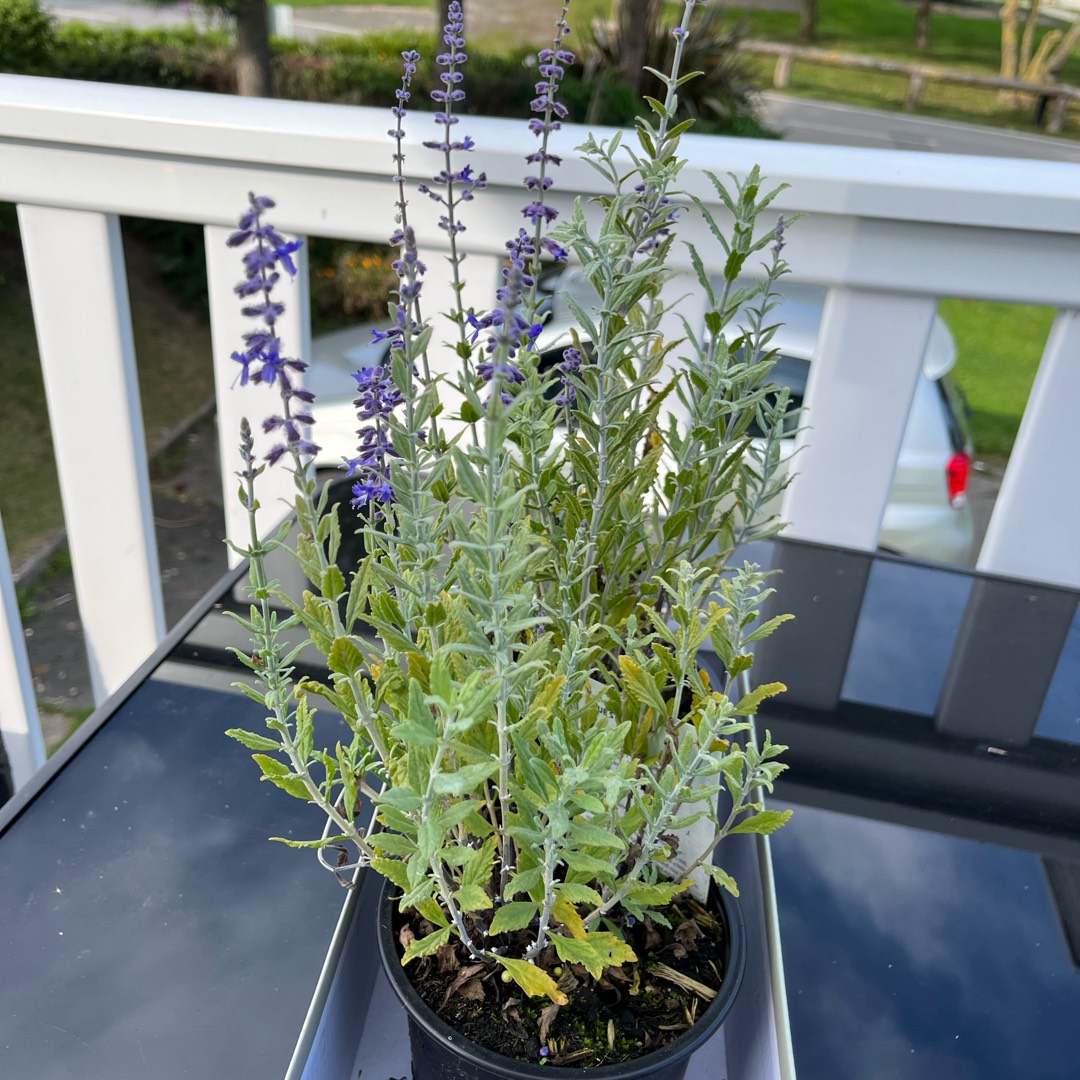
pixel 845 125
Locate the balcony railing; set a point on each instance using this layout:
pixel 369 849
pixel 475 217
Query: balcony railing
pixel 886 232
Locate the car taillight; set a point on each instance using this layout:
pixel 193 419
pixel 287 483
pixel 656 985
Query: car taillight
pixel 956 478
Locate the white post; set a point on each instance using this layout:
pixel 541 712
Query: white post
pixel 227 326
pixel 78 289
pixel 862 379
pixel 20 725
pixel 1036 520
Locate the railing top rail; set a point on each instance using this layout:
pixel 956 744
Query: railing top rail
pixel 337 140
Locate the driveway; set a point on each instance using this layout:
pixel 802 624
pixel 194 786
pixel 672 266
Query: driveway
pixel 800 120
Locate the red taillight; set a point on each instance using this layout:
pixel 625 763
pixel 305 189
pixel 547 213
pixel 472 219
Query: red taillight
pixel 956 478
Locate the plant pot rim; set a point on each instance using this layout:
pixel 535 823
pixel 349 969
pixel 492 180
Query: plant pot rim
pixel 680 1049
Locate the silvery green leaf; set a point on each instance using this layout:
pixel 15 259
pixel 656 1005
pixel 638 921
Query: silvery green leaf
pixel 253 741
pixel 768 821
pixel 722 878
pixel 465 778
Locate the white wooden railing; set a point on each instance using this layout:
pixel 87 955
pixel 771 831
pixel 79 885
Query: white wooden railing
pixel 887 233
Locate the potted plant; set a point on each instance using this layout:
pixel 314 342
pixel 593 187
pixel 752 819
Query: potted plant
pixel 516 655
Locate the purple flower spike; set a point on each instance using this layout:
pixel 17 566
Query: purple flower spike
pixel 377 398
pixel 262 360
pixel 571 365
pixel 552 64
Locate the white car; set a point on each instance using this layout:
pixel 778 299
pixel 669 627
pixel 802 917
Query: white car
pixel 927 515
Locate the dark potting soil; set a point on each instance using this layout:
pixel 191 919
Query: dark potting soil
pixel 630 1011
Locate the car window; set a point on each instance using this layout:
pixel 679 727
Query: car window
pixel 790 372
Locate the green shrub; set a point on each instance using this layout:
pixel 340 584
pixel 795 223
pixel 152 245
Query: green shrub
pixel 27 37
pixel 179 58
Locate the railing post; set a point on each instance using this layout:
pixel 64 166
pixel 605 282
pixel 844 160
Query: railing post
pixel 868 358
pixel 1058 111
pixel 1036 520
pixel 782 72
pixel 914 91
pixel 227 325
pixel 78 289
pixel 20 725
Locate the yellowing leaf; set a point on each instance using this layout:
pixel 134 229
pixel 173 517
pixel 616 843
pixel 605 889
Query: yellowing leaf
pixel 613 947
pixel 641 686
pixel 425 946
pixel 533 980
pixel 432 911
pixel 567 914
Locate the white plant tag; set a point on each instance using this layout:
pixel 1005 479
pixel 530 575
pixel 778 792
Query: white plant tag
pixel 692 841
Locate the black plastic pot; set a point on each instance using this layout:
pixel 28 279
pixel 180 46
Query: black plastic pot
pixel 439 1052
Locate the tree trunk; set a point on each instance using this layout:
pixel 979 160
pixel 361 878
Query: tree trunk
pixel 636 21
pixel 1010 13
pixel 254 75
pixel 922 25
pixel 808 21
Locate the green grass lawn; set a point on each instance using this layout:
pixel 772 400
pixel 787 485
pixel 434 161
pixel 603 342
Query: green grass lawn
pixel 998 349
pixel 886 28
pixel 175 377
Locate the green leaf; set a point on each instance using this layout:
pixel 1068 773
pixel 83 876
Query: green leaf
pixel 513 916
pixel 478 870
pixel 465 779
pixel 722 878
pixel 392 843
pixel 280 773
pixel 578 894
pixel 590 835
pixel 596 952
pixel 425 946
pixel 253 741
pixel 333 583
pixel 587 864
pixel 660 894
pixel 472 898
pixel 533 980
pixel 393 870
pixel 768 821
pixel 401 798
pixel 524 881
pixel 766 628
pixel 748 705
pixel 322 842
pixel 345 658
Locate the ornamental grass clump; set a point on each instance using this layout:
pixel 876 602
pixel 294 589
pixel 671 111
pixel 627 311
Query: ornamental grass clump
pixel 516 656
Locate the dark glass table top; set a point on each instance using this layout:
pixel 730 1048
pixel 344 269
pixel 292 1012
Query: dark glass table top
pixel 147 927
pixel 928 882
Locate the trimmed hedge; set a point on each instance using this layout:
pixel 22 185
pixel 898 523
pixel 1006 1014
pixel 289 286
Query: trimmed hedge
pixel 364 70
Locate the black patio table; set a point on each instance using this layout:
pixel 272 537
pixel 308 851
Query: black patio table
pixel 928 882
